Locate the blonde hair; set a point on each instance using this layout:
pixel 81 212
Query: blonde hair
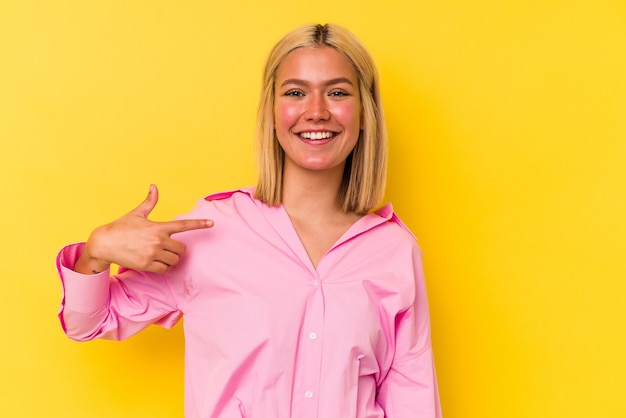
pixel 364 176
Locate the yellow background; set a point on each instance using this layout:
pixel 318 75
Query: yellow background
pixel 507 124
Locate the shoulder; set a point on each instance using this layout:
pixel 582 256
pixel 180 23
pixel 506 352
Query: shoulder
pixel 382 233
pixel 225 203
pixel 392 224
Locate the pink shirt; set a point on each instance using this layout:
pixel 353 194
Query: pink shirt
pixel 268 335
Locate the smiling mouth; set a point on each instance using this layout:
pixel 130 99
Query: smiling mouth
pixel 317 136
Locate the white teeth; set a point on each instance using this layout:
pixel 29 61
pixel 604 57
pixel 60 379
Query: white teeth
pixel 316 135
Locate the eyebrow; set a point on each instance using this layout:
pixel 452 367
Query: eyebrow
pixel 333 81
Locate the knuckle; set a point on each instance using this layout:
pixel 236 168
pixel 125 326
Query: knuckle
pixel 175 260
pixel 144 265
pixel 147 253
pixel 159 240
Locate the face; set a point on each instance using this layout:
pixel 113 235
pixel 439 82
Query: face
pixel 317 110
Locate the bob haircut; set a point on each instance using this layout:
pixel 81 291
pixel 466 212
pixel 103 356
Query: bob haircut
pixel 364 176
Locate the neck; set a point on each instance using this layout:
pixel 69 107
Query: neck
pixel 312 193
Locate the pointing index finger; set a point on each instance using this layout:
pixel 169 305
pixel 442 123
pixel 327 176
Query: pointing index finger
pixel 182 225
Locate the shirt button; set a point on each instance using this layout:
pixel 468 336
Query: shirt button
pixel 308 394
pixel 316 282
pixel 312 336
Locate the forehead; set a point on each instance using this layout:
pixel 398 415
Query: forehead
pixel 315 64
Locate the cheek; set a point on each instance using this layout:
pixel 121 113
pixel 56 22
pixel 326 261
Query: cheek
pixel 285 115
pixel 349 116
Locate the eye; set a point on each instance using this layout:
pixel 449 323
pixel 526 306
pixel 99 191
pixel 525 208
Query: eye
pixel 338 93
pixel 294 93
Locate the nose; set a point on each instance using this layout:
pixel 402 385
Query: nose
pixel 317 109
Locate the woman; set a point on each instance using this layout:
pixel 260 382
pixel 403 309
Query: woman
pixel 299 301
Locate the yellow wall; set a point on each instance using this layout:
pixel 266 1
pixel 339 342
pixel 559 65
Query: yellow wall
pixel 507 125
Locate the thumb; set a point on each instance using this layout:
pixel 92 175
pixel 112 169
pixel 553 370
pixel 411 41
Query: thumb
pixel 148 204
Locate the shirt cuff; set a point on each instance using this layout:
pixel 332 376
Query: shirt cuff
pixel 84 293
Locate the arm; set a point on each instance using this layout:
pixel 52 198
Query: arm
pixel 112 307
pixel 97 305
pixel 410 388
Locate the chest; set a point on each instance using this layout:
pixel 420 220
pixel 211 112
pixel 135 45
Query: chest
pixel 268 292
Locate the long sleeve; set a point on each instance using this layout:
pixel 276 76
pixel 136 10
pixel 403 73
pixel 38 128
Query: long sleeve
pixel 112 307
pixel 410 388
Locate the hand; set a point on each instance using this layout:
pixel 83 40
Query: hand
pixel 135 242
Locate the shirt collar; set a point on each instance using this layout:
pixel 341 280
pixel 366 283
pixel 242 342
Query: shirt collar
pixel 371 220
